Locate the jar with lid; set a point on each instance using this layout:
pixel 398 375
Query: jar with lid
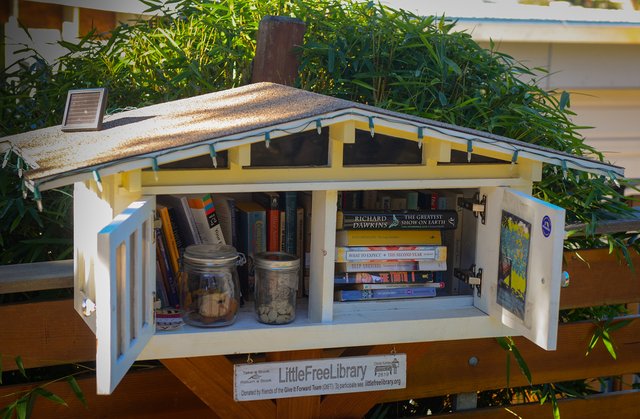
pixel 277 275
pixel 209 285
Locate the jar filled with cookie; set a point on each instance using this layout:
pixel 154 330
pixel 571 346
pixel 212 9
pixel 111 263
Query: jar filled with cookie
pixel 209 285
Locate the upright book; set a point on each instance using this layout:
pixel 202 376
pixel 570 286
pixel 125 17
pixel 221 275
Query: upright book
pixel 183 217
pixel 289 204
pixel 251 241
pixel 398 220
pixel 390 253
pixel 271 203
pixel 384 294
pixel 206 219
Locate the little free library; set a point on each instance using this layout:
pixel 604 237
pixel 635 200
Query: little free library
pixel 378 227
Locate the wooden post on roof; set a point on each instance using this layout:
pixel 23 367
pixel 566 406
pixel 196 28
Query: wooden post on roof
pixel 276 60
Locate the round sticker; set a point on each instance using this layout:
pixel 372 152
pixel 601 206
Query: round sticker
pixel 546 226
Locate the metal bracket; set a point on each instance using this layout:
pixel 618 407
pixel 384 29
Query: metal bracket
pixel 470 276
pixel 476 205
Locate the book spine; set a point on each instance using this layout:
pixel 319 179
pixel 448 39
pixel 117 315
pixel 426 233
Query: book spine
pixel 377 286
pixel 387 237
pixel 171 246
pixel 283 217
pixel 190 222
pixel 300 248
pixel 307 204
pixel 288 202
pixel 398 220
pixel 390 253
pixel 273 230
pixel 394 277
pixel 383 266
pixel 170 282
pixel 206 219
pixel 384 294
pixel 271 203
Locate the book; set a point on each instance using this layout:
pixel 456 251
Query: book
pixel 271 203
pixel 300 248
pixel 390 253
pixel 289 204
pixel 183 217
pixel 306 202
pixel 226 211
pixel 166 271
pixel 168 232
pixel 378 286
pixel 387 237
pixel 381 220
pixel 384 294
pixel 252 224
pixel 393 277
pixel 283 216
pixel 206 219
pixel 384 266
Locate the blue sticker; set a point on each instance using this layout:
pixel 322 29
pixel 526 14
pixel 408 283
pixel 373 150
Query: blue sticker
pixel 546 226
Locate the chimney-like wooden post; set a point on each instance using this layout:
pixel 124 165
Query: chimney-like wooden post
pixel 276 60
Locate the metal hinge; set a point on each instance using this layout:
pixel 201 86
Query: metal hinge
pixel 470 276
pixel 476 205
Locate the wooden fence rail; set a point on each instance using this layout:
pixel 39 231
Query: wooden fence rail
pixel 49 333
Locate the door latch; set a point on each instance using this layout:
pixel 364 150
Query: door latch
pixel 470 276
pixel 476 205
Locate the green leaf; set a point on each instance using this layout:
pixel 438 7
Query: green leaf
pixel 77 390
pixel 49 395
pixel 521 363
pixel 21 366
pixel 7 411
pixel 564 100
pixel 21 408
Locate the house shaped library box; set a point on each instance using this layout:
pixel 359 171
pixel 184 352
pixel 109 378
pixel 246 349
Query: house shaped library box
pixel 406 229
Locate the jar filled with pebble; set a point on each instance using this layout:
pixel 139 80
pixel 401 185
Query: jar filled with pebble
pixel 209 285
pixel 277 275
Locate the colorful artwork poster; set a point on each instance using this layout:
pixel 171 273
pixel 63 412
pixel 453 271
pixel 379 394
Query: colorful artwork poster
pixel 515 238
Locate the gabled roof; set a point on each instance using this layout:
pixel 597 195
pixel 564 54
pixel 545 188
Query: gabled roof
pixel 189 127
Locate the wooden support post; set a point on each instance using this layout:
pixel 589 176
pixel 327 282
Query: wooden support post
pixel 276 60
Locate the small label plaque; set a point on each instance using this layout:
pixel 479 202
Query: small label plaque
pixel 272 380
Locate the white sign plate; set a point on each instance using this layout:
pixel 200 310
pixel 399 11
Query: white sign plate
pixel 273 380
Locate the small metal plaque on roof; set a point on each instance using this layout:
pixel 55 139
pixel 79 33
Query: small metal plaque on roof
pixel 84 109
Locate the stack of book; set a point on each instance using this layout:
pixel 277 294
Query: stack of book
pixel 387 254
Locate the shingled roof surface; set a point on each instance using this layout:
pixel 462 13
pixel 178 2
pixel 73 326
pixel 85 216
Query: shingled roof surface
pixel 134 134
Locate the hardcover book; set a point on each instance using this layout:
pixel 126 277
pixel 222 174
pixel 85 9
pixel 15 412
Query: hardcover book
pixel 271 203
pixel 252 240
pixel 399 220
pixel 384 294
pixel 390 253
pixel 289 204
pixel 183 217
pixel 387 237
pixel 385 266
pixel 394 277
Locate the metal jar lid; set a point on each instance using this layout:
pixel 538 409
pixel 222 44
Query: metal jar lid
pixel 276 261
pixel 209 255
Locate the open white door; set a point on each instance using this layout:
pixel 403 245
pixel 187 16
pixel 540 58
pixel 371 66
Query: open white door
pixel 125 282
pixel 520 252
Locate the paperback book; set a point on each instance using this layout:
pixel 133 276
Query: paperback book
pixel 398 220
pixel 397 277
pixel 385 266
pixel 384 294
pixel 387 237
pixel 435 285
pixel 390 253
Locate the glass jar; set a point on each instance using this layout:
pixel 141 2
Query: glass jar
pixel 277 275
pixel 209 285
